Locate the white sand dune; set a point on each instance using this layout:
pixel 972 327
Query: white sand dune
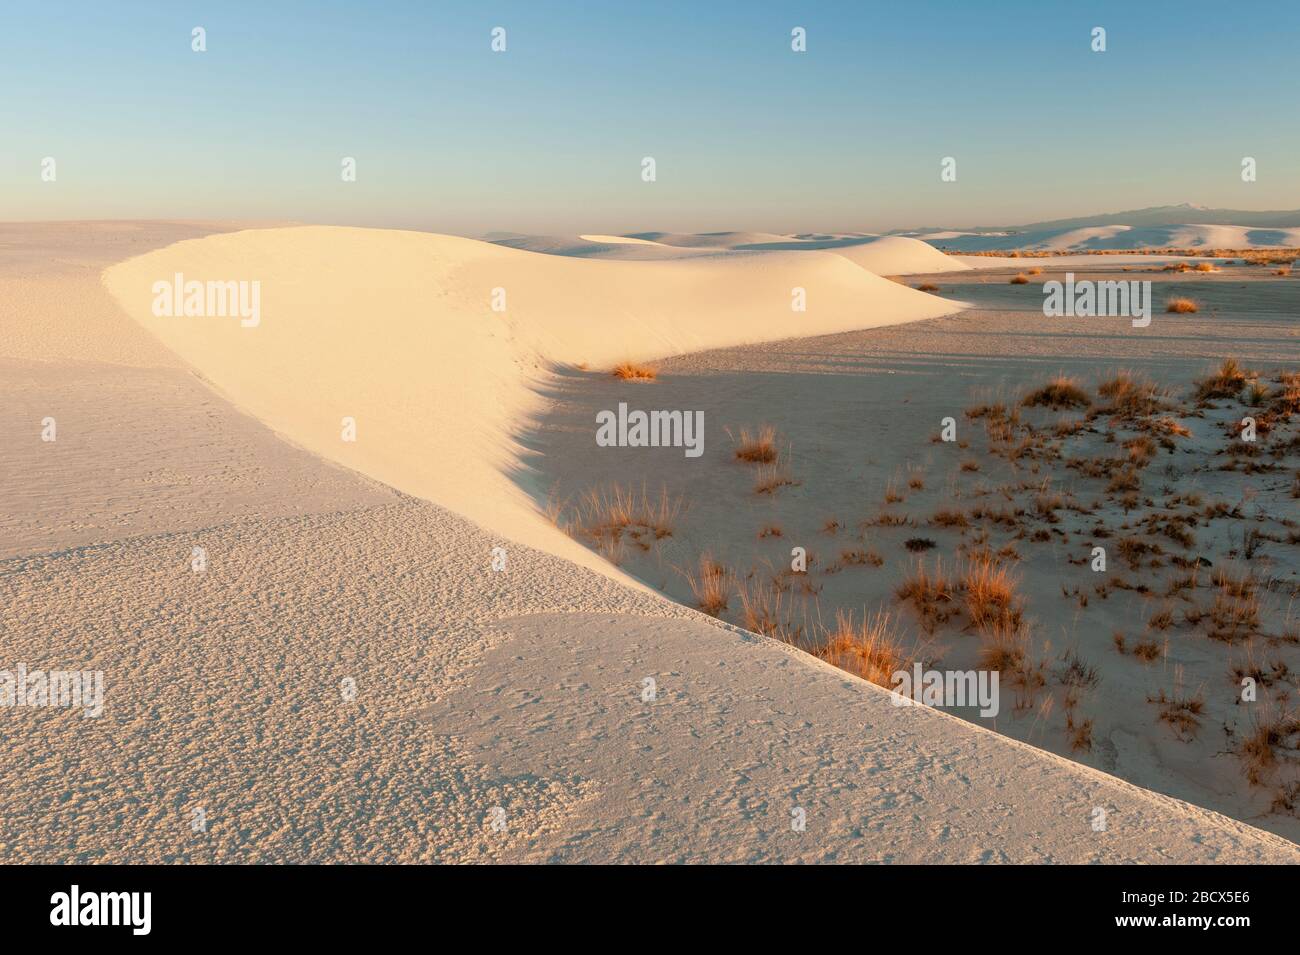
pixel 887 255
pixel 710 240
pixel 617 240
pixel 474 691
pixel 896 255
pixel 1121 237
pixel 396 330
pixel 603 247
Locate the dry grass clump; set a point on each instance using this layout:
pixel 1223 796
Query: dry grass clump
pixel 918 544
pixel 1124 481
pixel 1224 382
pixel 931 592
pixel 1179 710
pixel 1181 306
pixel 1233 618
pixel 860 557
pixel 766 609
pixel 1061 392
pixel 1133 549
pixel 711 586
pixel 892 494
pixel 970 465
pixel 1020 279
pixel 995 410
pixel 1129 394
pixel 927 287
pixel 989 592
pixel 1170 427
pixel 1006 649
pixel 1206 267
pixel 1275 730
pixel 1141 450
pixel 1147 650
pixel 772 476
pixel 757 448
pixel 613 516
pixel 631 371
pixel 1036 270
pixel 872 649
pixel 949 518
pixel 1162 619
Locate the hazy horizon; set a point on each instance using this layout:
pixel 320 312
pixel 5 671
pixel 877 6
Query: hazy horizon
pixel 549 135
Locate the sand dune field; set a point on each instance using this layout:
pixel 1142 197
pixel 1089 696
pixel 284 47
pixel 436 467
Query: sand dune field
pixel 390 649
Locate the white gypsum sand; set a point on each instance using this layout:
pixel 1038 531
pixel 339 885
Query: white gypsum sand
pixel 474 690
pixel 857 418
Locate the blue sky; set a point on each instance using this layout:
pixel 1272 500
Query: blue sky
pixel 549 136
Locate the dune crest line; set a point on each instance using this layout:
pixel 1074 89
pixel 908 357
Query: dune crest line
pixel 411 357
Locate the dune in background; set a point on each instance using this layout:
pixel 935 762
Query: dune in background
pixel 397 330
pixel 1117 237
pixel 883 255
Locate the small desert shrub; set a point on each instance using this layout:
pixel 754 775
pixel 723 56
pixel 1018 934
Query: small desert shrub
pixel 1181 306
pixel 1205 267
pixel 918 544
pixel 970 465
pixel 1061 392
pixel 1020 279
pixel 631 371
pixel 1036 270
pixel 927 287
